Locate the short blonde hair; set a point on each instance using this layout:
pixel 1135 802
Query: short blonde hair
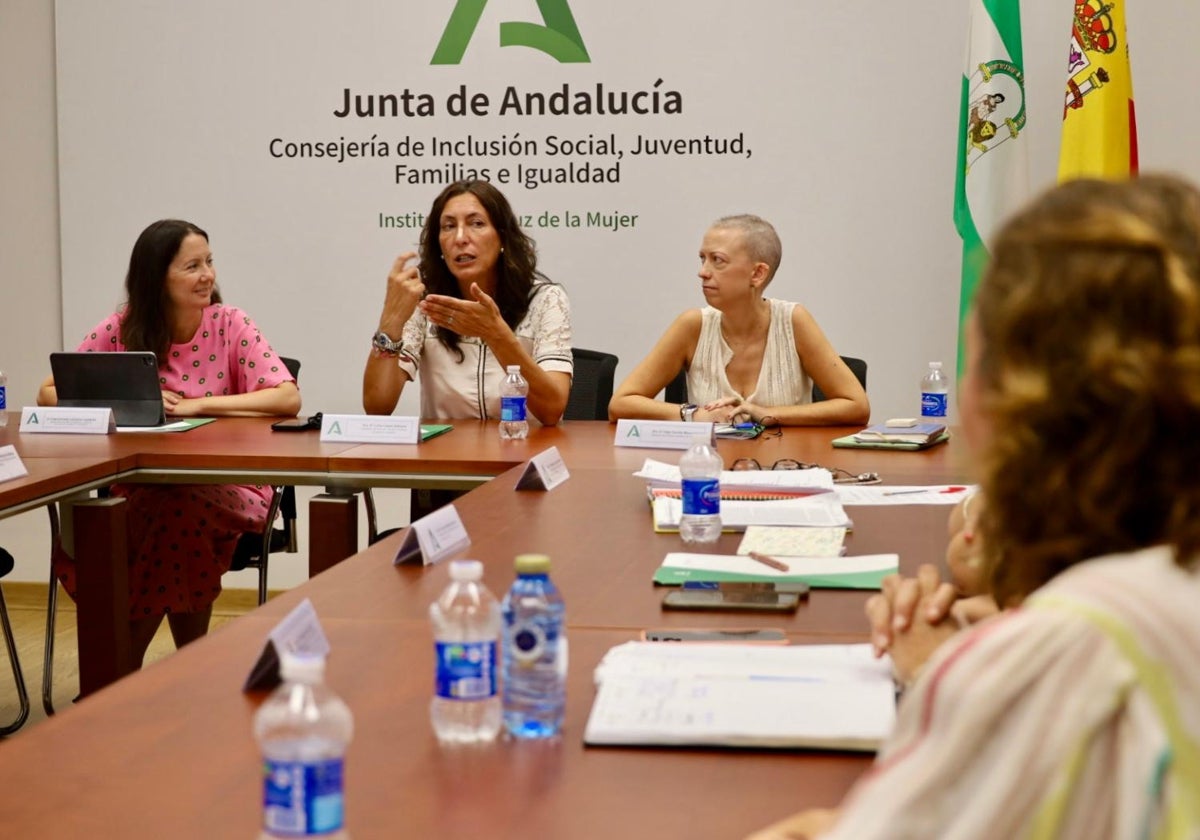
pixel 759 238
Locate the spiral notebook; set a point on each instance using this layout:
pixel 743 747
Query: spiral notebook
pixel 823 510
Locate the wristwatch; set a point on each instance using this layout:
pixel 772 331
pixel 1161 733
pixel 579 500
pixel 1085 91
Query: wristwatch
pixel 687 413
pixel 384 343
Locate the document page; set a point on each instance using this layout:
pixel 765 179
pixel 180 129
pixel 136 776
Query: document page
pixel 817 696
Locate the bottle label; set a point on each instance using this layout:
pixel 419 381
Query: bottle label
pixel 466 670
pixel 3 398
pixel 302 798
pixel 512 409
pixel 701 496
pixel 933 405
pixel 528 643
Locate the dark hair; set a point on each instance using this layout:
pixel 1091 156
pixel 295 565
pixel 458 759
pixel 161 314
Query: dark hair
pixel 146 324
pixel 1089 372
pixel 516 272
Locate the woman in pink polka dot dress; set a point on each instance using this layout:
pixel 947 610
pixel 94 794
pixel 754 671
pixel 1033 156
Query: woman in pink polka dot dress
pixel 213 362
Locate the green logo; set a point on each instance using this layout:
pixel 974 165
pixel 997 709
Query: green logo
pixel 335 428
pixel 559 38
pixel 633 432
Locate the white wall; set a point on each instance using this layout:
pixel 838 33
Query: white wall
pixel 853 117
pixel 30 302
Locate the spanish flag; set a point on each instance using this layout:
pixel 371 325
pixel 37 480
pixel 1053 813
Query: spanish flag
pixel 1099 136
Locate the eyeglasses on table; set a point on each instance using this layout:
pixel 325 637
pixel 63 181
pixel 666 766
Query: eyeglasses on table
pixel 840 476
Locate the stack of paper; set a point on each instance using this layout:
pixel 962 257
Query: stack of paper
pixel 915 437
pixel 798 482
pixel 864 572
pixel 815 696
pixel 916 433
pixel 824 510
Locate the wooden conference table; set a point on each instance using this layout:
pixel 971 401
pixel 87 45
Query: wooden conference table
pixel 169 751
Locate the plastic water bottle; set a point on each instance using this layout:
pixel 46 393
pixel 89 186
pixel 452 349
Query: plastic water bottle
pixel 700 468
pixel 535 652
pixel 514 391
pixel 303 729
pixel 935 392
pixel 466 635
pixel 3 399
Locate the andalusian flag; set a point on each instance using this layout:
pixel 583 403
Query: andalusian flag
pixel 1099 137
pixel 993 174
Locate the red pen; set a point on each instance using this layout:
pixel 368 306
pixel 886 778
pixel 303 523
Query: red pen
pixel 924 490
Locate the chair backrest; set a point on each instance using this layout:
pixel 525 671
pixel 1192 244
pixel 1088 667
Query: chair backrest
pixel 591 386
pixel 857 366
pixel 253 550
pixel 676 390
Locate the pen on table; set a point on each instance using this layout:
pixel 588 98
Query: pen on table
pixel 770 561
pixel 924 490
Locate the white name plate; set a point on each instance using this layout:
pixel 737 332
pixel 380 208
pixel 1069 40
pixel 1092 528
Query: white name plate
pixel 545 471
pixel 433 537
pixel 660 434
pixel 299 632
pixel 67 421
pixel 369 428
pixel 11 465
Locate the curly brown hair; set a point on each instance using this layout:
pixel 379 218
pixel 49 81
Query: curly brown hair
pixel 1089 369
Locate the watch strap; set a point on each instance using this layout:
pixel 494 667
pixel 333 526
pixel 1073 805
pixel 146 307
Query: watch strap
pixel 385 344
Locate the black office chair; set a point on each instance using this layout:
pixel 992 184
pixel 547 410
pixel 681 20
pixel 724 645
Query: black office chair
pixel 6 566
pixel 591 385
pixel 591 389
pixel 676 390
pixel 857 366
pixel 253 551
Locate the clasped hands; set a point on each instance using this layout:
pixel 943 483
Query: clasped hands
pixel 911 617
pixel 478 318
pixel 729 410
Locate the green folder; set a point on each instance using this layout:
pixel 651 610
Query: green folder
pixel 434 429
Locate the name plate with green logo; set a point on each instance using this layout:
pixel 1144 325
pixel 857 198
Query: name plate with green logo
pixel 59 420
pixel 661 434
pixel 369 428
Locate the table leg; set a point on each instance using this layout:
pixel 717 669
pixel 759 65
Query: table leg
pixel 332 530
pixel 102 599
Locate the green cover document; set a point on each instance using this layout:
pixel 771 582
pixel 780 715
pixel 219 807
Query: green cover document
pixel 865 572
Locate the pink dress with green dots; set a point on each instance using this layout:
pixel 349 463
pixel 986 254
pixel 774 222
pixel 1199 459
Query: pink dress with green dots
pixel 181 537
